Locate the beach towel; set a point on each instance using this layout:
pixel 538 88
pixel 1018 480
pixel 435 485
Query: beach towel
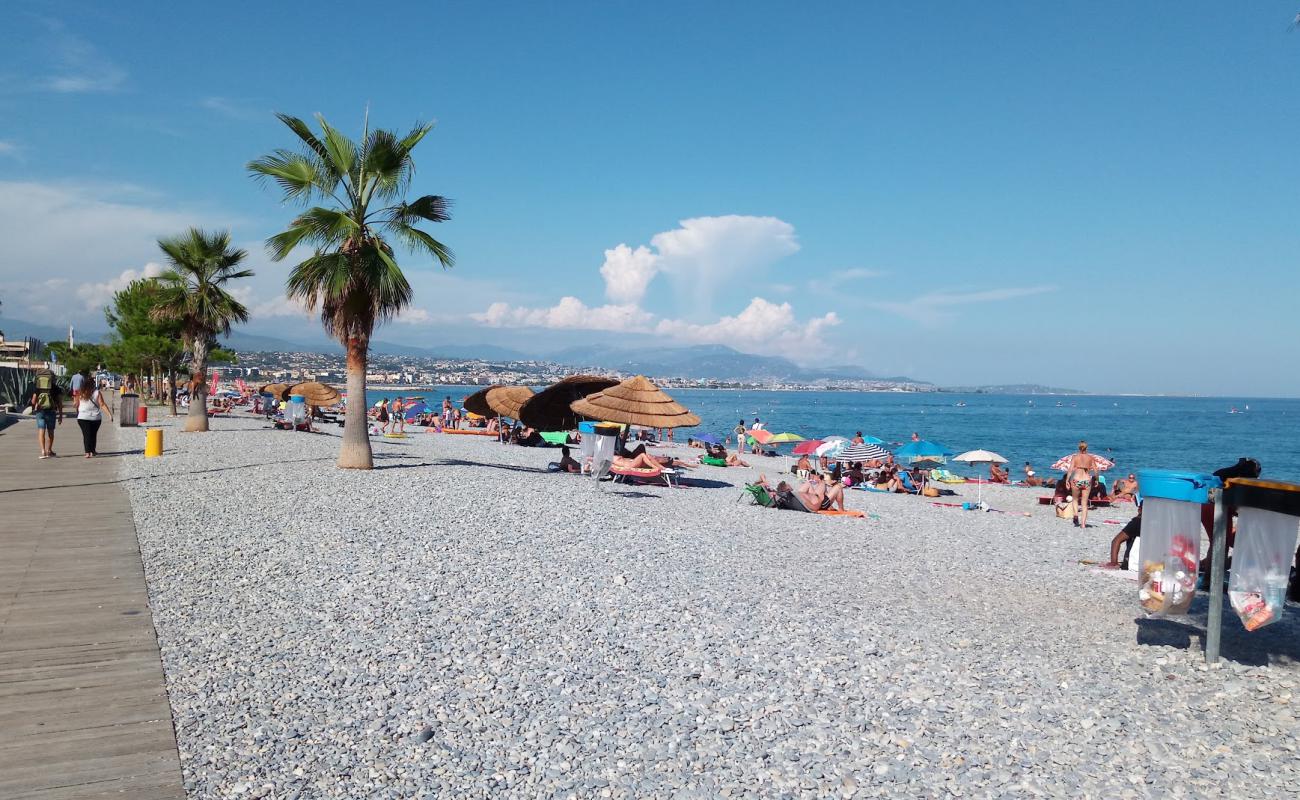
pixel 848 512
pixel 713 462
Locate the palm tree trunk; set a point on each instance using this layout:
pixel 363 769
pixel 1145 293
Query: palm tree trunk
pixel 355 451
pixel 171 386
pixel 198 416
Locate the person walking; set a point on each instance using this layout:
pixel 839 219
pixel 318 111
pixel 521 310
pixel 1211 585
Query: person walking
pixel 1080 472
pixel 382 416
pixel 91 409
pixel 47 405
pixel 399 415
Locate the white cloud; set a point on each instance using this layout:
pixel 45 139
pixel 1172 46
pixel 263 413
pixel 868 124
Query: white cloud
pixel 628 272
pixel 94 296
pixel 570 313
pixel 234 109
pixel 78 66
pixel 702 255
pixel 763 325
pixel 706 254
pixel 834 281
pixel 71 232
pixel 936 307
pixel 10 149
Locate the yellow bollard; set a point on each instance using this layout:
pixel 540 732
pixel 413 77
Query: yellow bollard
pixel 153 444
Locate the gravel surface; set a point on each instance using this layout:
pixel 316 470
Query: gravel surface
pixel 459 623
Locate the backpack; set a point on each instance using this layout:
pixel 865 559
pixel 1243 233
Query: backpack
pixel 45 391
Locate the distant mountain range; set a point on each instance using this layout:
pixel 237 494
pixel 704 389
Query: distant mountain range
pixel 1011 388
pixel 703 362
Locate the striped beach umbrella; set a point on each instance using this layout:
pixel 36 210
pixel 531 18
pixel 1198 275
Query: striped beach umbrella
pixel 861 452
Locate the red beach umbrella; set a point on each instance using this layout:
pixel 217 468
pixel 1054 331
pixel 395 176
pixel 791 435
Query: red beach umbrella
pixel 1103 463
pixel 807 447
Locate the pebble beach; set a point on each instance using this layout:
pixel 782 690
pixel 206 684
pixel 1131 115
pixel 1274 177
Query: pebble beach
pixel 461 623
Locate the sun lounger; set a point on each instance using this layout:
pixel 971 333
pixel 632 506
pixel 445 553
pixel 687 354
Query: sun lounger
pixel 643 474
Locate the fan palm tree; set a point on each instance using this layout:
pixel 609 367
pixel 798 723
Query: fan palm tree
pixel 352 277
pixel 192 293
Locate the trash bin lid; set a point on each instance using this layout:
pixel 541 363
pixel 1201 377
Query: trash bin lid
pixel 587 427
pixel 1284 498
pixel 1190 487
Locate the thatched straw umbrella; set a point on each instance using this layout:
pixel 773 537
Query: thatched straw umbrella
pixel 548 410
pixel 316 394
pixel 280 391
pixel 505 401
pixel 636 401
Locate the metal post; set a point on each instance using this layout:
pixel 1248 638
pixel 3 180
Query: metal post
pixel 1218 560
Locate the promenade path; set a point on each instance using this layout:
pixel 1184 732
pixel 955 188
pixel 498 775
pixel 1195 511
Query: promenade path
pixel 83 705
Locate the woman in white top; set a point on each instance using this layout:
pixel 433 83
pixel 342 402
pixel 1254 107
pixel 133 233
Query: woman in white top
pixel 90 413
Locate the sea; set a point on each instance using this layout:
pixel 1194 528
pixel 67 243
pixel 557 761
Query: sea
pixel 1198 434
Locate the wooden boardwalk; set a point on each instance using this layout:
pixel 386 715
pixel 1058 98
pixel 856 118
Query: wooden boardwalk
pixel 83 705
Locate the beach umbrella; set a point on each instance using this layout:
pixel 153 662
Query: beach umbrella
pixel 807 447
pixel 1103 463
pixel 316 394
pixel 979 457
pixel 280 391
pixel 783 438
pixel 760 437
pixel 507 401
pixel 636 401
pixel 707 438
pixel 861 452
pixel 873 440
pixel 415 409
pixel 915 451
pixel 477 403
pixel 831 448
pixel 549 410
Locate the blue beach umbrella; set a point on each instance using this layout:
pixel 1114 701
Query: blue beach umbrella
pixel 707 438
pixel 416 410
pixel 922 450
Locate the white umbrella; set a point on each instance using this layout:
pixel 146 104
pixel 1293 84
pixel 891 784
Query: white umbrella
pixel 832 446
pixel 980 457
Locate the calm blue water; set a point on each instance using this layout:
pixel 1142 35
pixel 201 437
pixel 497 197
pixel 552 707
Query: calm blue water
pixel 1135 432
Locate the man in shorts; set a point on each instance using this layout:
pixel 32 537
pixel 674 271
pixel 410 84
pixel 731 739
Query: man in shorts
pixel 47 406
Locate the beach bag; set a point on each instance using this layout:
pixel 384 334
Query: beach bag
pixel 1261 566
pixel 44 391
pixel 1066 510
pixel 930 491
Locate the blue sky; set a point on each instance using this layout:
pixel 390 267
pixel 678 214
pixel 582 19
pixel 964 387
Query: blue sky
pixel 1096 195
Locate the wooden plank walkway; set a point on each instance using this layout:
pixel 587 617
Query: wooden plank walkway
pixel 83 705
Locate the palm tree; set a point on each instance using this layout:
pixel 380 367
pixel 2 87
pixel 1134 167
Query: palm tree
pixel 192 293
pixel 352 277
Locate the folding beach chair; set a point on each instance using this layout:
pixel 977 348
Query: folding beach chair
pixel 759 494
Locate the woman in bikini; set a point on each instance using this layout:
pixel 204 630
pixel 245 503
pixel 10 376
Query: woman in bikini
pixel 1080 472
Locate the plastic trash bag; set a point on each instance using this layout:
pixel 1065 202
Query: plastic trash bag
pixel 1171 545
pixel 1261 566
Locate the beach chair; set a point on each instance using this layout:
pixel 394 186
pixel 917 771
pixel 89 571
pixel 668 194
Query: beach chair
pixel 643 475
pixel 759 494
pixel 908 485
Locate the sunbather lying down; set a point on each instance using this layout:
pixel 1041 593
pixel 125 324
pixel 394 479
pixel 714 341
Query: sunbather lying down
pixel 647 461
pixel 813 494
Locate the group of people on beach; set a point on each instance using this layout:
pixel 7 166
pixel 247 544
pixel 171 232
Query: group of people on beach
pixel 87 395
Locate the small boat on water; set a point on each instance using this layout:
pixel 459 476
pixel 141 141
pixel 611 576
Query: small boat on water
pixel 961 404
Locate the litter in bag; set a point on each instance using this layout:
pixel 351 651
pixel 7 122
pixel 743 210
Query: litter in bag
pixel 1261 565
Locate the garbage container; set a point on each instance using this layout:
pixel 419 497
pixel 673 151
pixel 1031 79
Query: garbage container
pixel 1171 538
pixel 606 444
pixel 1268 518
pixel 298 410
pixel 126 412
pixel 587 448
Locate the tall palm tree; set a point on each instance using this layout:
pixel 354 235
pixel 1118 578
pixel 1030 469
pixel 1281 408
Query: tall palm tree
pixel 192 293
pixel 352 277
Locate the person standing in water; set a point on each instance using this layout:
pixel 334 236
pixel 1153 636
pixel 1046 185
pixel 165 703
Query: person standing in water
pixel 1079 473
